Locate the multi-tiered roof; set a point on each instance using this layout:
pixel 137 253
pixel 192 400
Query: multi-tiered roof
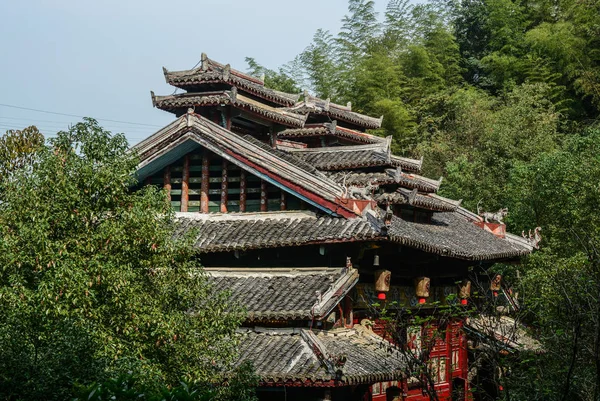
pixel 252 168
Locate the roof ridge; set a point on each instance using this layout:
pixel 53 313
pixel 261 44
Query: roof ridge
pixel 346 148
pixel 273 270
pixel 275 215
pixel 336 292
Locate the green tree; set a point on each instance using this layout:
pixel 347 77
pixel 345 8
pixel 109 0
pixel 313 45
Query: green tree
pixel 278 80
pixel 92 281
pixel 561 283
pixel 319 65
pixel 18 149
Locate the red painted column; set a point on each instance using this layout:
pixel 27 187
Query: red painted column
pixel 228 123
pixel 167 181
pixel 224 186
pixel 243 191
pixel 264 206
pixel 185 183
pixel 282 201
pixel 204 183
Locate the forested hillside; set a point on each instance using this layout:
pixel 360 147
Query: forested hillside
pixel 501 97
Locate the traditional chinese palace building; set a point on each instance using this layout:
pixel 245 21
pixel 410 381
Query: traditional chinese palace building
pixel 309 221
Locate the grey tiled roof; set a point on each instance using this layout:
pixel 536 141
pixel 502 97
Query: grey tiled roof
pixel 329 129
pixel 284 293
pixel 314 105
pixel 341 356
pixel 239 231
pixel 285 155
pixel 407 180
pixel 450 234
pixel 193 99
pixel 423 201
pixel 349 177
pixel 349 157
pixel 503 331
pixel 211 72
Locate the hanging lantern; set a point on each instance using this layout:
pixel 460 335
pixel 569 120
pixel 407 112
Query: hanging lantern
pixel 464 291
pixel 382 282
pixel 496 285
pixel 422 288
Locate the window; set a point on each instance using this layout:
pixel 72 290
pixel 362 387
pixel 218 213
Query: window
pixel 455 360
pixel 413 338
pixel 437 369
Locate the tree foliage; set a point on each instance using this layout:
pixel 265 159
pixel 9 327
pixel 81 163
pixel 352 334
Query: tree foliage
pixel 92 282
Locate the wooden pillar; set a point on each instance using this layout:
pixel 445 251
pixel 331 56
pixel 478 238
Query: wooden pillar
pixel 185 183
pixel 215 116
pixel 167 181
pixel 273 137
pixel 264 205
pixel 242 191
pixel 282 201
pixel 224 186
pixel 204 183
pixel 228 124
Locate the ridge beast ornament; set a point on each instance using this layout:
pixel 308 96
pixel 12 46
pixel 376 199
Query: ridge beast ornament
pixel 493 217
pixel 534 238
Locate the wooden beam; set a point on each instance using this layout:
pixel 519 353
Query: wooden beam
pixel 224 186
pixel 243 191
pixel 264 206
pixel 204 183
pixel 167 181
pixel 282 201
pixel 185 183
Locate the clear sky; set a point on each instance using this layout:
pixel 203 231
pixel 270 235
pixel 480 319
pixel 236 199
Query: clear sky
pixel 101 58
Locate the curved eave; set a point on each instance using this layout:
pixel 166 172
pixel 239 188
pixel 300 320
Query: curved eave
pixel 450 253
pixel 406 163
pixel 356 119
pixel 190 78
pixel 173 103
pixel 284 243
pixel 315 105
pixel 330 129
pixel 317 380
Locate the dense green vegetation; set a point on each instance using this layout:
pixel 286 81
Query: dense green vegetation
pixel 502 98
pixel 93 286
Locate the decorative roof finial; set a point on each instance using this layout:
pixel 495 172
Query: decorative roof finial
pixel 534 238
pixel 412 196
pixel 204 62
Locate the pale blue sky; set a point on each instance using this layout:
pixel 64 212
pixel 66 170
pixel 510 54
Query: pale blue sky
pixel 101 58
